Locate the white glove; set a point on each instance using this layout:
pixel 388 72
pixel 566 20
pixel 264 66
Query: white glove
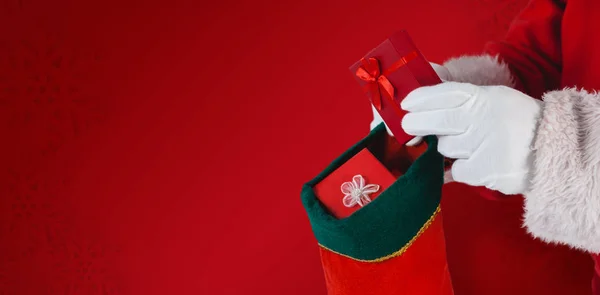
pixel 489 129
pixel 444 75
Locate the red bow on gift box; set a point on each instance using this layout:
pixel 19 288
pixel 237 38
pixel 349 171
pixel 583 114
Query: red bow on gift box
pixel 378 83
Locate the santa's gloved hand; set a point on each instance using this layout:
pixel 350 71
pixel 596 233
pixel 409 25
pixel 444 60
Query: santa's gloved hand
pixel 444 75
pixel 489 129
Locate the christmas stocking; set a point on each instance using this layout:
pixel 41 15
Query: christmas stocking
pixel 379 233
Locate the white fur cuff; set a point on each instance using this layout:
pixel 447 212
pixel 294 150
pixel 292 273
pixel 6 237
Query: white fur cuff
pixel 479 70
pixel 563 204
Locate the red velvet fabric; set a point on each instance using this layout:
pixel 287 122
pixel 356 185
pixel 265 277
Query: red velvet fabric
pixel 596 280
pixel 532 47
pixel 421 270
pixel 494 255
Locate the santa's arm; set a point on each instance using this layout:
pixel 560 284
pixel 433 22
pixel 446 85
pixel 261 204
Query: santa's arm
pixel 563 203
pixel 528 58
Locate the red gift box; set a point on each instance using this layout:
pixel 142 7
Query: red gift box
pixel 363 167
pixel 390 72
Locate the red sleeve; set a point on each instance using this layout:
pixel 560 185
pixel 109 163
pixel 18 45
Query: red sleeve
pixel 532 47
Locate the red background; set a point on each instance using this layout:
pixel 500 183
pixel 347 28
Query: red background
pixel 159 147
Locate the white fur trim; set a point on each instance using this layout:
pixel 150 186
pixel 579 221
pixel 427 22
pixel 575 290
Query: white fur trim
pixel 479 70
pixel 563 203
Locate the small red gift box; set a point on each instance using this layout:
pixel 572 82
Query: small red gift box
pixel 388 73
pixel 354 184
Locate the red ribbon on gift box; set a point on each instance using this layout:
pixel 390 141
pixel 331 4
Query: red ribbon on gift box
pixel 378 84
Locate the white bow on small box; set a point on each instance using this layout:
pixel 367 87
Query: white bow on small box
pixel 356 192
